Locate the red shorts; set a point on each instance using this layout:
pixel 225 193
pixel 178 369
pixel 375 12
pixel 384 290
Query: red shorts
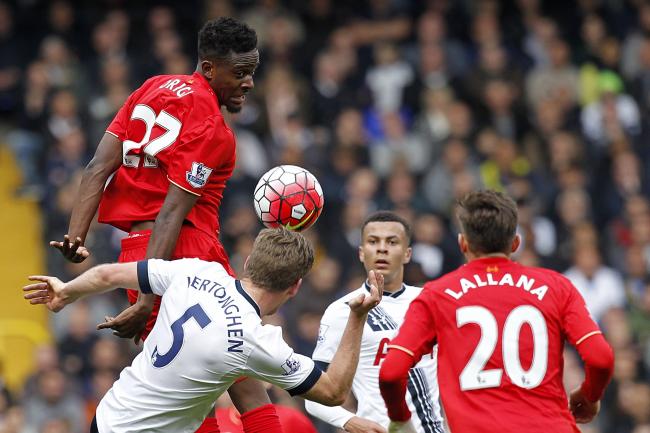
pixel 192 243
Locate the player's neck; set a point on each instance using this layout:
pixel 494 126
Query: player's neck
pixel 393 286
pixel 266 300
pixel 469 256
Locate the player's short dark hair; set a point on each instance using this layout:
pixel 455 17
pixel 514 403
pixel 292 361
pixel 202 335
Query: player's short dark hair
pixel 280 258
pixel 488 219
pixel 388 216
pixel 220 37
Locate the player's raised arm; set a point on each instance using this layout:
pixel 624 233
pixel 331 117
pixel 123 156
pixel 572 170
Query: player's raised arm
pixel 107 159
pixel 333 387
pixel 56 294
pixel 338 416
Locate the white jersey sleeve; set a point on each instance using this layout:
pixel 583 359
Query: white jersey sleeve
pixel 273 360
pixel 336 416
pixel 332 326
pixel 156 275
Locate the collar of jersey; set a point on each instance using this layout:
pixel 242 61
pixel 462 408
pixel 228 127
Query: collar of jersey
pixel 246 296
pixel 203 81
pixel 389 294
pixel 482 261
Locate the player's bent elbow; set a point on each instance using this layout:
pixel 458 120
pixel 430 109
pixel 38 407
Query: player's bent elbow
pixel 597 353
pixel 327 393
pixel 334 396
pixel 605 359
pixel 389 375
pixel 337 399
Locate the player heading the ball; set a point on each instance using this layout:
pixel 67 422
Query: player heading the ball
pixel 209 333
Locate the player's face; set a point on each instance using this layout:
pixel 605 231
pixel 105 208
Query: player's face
pixel 385 249
pixel 232 79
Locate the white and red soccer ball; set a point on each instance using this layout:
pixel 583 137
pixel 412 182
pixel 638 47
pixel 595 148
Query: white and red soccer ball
pixel 288 196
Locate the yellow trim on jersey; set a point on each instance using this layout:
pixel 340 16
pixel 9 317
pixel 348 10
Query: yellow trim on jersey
pixel 591 334
pixel 113 134
pixel 184 189
pixel 403 349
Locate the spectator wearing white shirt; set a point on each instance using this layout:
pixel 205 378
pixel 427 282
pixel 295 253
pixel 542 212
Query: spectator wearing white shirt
pixel 602 287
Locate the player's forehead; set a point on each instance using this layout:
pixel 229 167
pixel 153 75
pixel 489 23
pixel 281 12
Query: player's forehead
pixel 245 60
pixel 384 230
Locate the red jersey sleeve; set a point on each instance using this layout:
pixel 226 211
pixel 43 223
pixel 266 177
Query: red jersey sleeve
pixel 417 334
pixel 201 154
pixel 584 334
pixel 416 337
pixel 577 324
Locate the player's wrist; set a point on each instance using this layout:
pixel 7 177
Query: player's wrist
pixel 587 394
pixel 144 305
pixel 349 423
pixel 400 414
pixel 359 315
pixel 66 295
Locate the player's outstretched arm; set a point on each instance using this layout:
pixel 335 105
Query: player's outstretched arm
pixel 55 294
pixel 333 387
pixel 131 322
pixel 107 159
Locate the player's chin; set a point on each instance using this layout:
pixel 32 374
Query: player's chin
pixel 233 108
pixel 385 272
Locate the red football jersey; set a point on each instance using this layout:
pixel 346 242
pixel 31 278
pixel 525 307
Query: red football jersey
pixel 171 130
pixel 500 329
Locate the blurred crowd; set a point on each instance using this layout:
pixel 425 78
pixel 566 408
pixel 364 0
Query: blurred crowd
pixel 392 104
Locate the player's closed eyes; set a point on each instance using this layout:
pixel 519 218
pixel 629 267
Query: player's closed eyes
pixel 242 74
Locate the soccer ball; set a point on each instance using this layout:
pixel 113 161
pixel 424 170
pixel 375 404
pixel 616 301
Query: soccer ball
pixel 288 196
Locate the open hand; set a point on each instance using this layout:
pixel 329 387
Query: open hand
pixel 361 425
pixel 582 409
pixel 75 252
pixel 129 323
pixel 50 291
pixel 366 302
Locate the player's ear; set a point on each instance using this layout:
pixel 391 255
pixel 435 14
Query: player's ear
pixel 516 242
pixel 293 290
pixel 246 263
pixel 361 255
pixel 462 243
pixel 207 68
pixel 407 255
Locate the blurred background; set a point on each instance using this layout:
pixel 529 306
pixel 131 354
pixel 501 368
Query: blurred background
pixel 392 104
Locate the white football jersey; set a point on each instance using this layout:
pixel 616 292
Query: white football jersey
pixel 381 326
pixel 208 334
